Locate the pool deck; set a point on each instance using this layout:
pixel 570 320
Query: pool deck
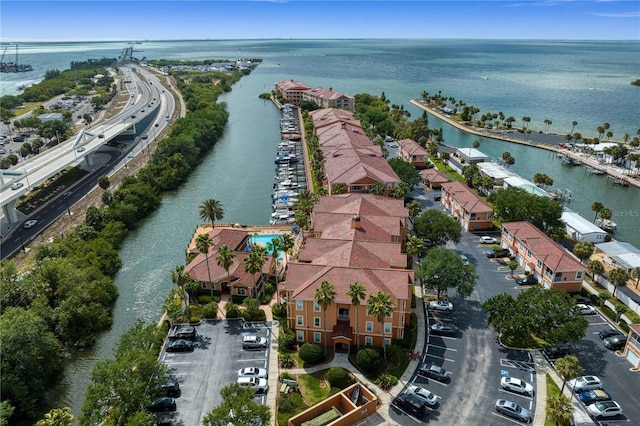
pixel 249 229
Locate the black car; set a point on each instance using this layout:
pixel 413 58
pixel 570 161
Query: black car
pixel 437 197
pixel 411 404
pixel 433 371
pixel 172 388
pixel 557 351
pixel 609 332
pixel 162 404
pixel 491 254
pixel 528 280
pixel 186 332
pixel 583 300
pixel 180 345
pixel 615 343
pixel 443 330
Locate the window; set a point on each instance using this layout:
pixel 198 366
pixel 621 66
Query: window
pixel 204 285
pixel 521 246
pixel 368 341
pixel 241 292
pixel 404 305
pixel 579 275
pixel 300 336
pixel 387 327
pixel 316 307
pixel 369 326
pixel 539 264
pixel 298 305
pixel 299 320
pixel 316 337
pixel 387 342
pixel 316 322
pixel 529 253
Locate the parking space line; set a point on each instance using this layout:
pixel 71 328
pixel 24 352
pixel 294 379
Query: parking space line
pixel 431 345
pixel 516 394
pixel 407 414
pixel 505 417
pixel 439 357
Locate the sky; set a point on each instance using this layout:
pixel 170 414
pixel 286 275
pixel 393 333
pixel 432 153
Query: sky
pixel 121 20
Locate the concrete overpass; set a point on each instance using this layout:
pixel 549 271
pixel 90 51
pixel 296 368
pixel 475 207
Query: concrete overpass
pixel 148 104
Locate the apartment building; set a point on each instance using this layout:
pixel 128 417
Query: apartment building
pixel 466 206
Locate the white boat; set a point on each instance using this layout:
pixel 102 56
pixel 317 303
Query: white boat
pixel 606 224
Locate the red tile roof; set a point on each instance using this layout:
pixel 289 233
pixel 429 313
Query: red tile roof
pixel 371 228
pixel 198 271
pixel 433 175
pixel 362 205
pixel 412 147
pixel 466 197
pixel 365 254
pixel 235 239
pixel 552 254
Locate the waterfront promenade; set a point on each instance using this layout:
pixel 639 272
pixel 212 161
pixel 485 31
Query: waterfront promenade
pixel 548 141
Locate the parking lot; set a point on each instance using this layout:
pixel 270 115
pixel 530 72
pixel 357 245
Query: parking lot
pixel 612 370
pixel 213 364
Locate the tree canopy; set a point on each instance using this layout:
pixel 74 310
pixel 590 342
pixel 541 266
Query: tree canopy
pixel 515 205
pixel 549 314
pixel 438 227
pixel 443 269
pixel 238 408
pixel 405 171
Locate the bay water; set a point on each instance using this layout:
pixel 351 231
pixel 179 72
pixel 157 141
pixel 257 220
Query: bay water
pixel 587 82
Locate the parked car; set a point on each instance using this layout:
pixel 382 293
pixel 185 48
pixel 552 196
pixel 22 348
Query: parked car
pixel 30 224
pixel 516 385
pixel 585 383
pixel 162 404
pixel 586 309
pixel 557 351
pixel 485 239
pixel 443 330
pixel 513 410
pixel 433 371
pixel 171 388
pixel 254 342
pixel 16 185
pixel 595 395
pixel 493 254
pixel 427 396
pixel 528 280
pixel 180 345
pixel 465 259
pixel 259 385
pixel 583 299
pixel 437 197
pixel 605 409
pixel 609 332
pixel 615 343
pixel 253 372
pixel 185 332
pixel 411 404
pixel 441 305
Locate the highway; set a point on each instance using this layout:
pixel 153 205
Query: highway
pixel 149 102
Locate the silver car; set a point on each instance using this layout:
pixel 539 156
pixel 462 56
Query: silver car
pixel 584 383
pixel 516 385
pixel 424 394
pixel 513 410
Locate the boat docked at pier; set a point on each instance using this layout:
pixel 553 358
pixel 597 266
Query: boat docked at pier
pixel 606 224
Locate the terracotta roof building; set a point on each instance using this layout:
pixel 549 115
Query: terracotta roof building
pixel 411 152
pixel 549 262
pixel 433 178
pixel 472 212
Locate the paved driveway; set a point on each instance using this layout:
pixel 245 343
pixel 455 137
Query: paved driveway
pixel 214 364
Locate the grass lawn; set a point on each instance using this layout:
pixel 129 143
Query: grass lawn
pixel 527 342
pixel 313 387
pixel 552 390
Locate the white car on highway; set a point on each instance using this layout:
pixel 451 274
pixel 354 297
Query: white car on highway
pixel 30 224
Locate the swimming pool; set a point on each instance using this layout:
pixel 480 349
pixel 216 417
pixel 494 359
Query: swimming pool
pixel 263 239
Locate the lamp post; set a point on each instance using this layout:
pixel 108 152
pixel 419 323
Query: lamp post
pixel 21 241
pixel 26 176
pixel 66 201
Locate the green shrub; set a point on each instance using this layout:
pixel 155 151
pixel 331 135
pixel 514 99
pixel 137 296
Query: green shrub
pixel 623 325
pixel 286 376
pixel 203 299
pixel 338 377
pixel 311 353
pixel 289 403
pixel 210 310
pixel 287 339
pixel 368 360
pixel 238 300
pixel 279 311
pixel 386 381
pixel 608 312
pixel 232 310
pixel 286 360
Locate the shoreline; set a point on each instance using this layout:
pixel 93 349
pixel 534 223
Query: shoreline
pixel 551 146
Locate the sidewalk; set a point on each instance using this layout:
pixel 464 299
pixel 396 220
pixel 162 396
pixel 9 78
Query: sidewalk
pixel 342 360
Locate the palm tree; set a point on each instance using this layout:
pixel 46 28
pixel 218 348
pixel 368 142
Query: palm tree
pixel 211 210
pixel 356 292
pixel 596 207
pixel 180 278
pixel 635 273
pixel 254 263
pixel 583 250
pixel 415 208
pixel 559 409
pixel 573 125
pixel 568 367
pixel 287 243
pixel 380 306
pixel 414 246
pixel 595 268
pixel 274 247
pixel 325 296
pixel 225 258
pixel 618 277
pixel 203 242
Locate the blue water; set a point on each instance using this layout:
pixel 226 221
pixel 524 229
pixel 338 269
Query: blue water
pixel 264 239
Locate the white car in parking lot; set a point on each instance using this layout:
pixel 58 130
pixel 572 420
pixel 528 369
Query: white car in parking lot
pixel 516 385
pixel 424 394
pixel 584 383
pixel 586 309
pixel 257 384
pixel 260 373
pixel 485 239
pixel 441 305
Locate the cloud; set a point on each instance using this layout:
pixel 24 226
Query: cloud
pixel 618 15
